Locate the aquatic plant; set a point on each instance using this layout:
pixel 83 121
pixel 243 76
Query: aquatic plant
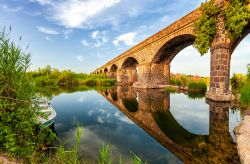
pixel 105 156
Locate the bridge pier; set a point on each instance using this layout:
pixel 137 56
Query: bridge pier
pixel 126 76
pixel 152 75
pixel 220 65
pixel 113 75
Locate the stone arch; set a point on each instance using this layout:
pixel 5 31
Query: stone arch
pixel 105 70
pixel 234 43
pixel 172 47
pixel 130 63
pixel 113 71
pixel 100 71
pixel 129 74
pixel 113 68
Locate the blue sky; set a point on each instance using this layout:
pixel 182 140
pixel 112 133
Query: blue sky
pixel 82 35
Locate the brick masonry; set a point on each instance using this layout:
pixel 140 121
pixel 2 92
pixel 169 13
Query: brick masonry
pixel 153 57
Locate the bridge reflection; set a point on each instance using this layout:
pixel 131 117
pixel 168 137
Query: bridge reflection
pixel 150 109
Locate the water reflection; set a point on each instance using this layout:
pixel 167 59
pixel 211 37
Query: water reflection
pixel 150 109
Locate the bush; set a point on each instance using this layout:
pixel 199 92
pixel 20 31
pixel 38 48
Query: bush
pixel 205 28
pixel 19 133
pixel 237 82
pixel 197 87
pixel 237 17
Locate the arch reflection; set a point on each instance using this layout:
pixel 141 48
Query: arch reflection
pixel 150 109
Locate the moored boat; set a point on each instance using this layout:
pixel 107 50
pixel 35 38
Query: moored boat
pixel 47 112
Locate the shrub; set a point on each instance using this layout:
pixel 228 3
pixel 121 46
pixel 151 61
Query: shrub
pixel 205 28
pixel 237 17
pixel 197 86
pixel 237 82
pixel 19 133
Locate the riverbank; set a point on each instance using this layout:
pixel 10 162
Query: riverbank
pixel 7 160
pixel 242 132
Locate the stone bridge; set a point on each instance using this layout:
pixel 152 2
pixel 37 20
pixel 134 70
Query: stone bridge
pixel 147 65
pixel 150 110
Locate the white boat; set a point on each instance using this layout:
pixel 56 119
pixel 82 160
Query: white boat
pixel 48 113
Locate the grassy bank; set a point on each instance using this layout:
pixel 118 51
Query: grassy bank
pixel 188 82
pixel 52 77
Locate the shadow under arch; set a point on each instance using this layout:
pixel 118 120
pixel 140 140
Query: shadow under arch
pixel 130 104
pixel 113 68
pixel 171 48
pixel 171 128
pixel 105 70
pixel 130 63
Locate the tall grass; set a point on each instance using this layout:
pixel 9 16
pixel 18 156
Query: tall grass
pixel 105 156
pixel 197 87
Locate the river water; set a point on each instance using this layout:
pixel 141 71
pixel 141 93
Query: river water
pixel 157 126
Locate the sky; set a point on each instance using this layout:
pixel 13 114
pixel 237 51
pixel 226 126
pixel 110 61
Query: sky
pixel 82 35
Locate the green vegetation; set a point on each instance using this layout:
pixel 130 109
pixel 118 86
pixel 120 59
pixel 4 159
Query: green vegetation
pixel 205 28
pixel 245 91
pixel 105 155
pixel 54 78
pixel 197 87
pixel 237 82
pixel 196 95
pixel 170 89
pixel 185 80
pixel 63 156
pixel 19 133
pixel 237 16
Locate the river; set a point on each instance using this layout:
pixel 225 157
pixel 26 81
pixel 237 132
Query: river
pixel 158 126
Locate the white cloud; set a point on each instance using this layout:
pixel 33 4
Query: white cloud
pixel 11 9
pixel 47 30
pixel 94 34
pixel 79 58
pixel 48 38
pixel 99 39
pixel 75 13
pixel 127 38
pixel 81 98
pixel 166 19
pixel 85 43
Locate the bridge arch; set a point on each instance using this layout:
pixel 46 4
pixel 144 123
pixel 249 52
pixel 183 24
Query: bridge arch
pixel 172 47
pixel 128 72
pixel 236 47
pixel 113 71
pixel 234 43
pixel 159 69
pixel 130 63
pixel 105 70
